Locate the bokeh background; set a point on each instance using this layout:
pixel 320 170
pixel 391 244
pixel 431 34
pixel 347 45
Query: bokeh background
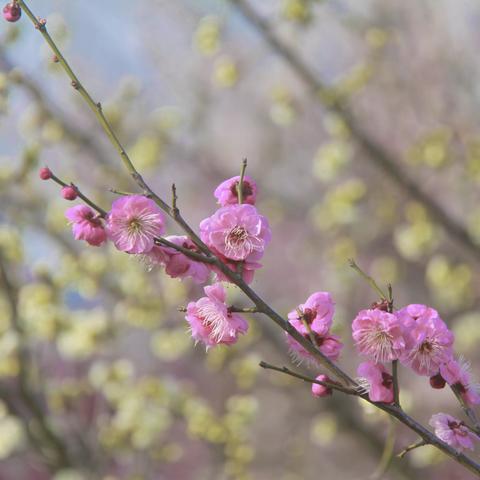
pixel 360 123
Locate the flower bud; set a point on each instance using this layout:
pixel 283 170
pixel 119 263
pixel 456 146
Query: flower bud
pixel 12 12
pixel 319 390
pixel 45 173
pixel 69 192
pixel 437 381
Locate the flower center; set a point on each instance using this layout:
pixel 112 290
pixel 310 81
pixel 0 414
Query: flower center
pixel 135 226
pixel 457 426
pixel 426 347
pixel 427 353
pixel 378 343
pixel 213 319
pixel 236 237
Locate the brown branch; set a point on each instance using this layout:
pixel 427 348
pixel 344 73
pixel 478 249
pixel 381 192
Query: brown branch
pixel 80 195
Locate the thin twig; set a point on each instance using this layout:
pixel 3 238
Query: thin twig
pixel 175 210
pixel 287 371
pixel 467 410
pixel 396 389
pixel 240 183
pixel 368 278
pixel 80 195
pixel 411 447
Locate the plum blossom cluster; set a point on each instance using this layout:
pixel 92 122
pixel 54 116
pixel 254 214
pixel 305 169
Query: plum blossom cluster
pixel 415 336
pixel 420 340
pixel 236 233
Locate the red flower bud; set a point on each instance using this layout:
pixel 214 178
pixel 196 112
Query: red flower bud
pixel 45 173
pixel 69 192
pixel 12 12
pixel 437 381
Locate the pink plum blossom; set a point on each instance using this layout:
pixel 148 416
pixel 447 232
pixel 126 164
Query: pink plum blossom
pixel 330 345
pixel 457 374
pixel 211 322
pixel 237 232
pixel 86 225
pixel 377 381
pixel 317 311
pixel 452 431
pixel 133 223
pixel 178 265
pixel 379 335
pixel 315 316
pixel 319 390
pixel 226 193
pixel 429 341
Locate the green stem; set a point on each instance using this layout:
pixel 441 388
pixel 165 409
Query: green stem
pixel 396 389
pixel 368 278
pixel 413 446
pixel 240 183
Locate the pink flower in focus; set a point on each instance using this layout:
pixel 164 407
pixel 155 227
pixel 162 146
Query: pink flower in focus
pixel 457 375
pixel 238 232
pixel 226 193
pixel 452 431
pixel 317 311
pixel 377 381
pixel 379 335
pixel 86 225
pixel 210 320
pixel 429 341
pixel 133 223
pixel 319 390
pixel 177 265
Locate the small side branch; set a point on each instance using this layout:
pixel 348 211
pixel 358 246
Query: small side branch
pixel 368 278
pixel 240 183
pixel 411 447
pixel 287 371
pixel 80 195
pixel 396 389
